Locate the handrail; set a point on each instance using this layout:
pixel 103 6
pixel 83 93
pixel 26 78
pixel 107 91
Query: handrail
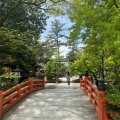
pixel 97 97
pixel 13 95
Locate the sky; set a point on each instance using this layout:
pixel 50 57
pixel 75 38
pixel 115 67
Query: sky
pixel 64 50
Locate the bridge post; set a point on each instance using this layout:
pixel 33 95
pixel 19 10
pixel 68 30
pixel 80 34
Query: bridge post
pixel 101 101
pixel 43 78
pixel 101 85
pixel 80 77
pixel 31 84
pixel 18 90
pixel 1 104
pixel 43 82
pixel 86 78
pixel 31 74
pixel 101 106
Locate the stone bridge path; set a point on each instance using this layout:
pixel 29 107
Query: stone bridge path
pixel 56 102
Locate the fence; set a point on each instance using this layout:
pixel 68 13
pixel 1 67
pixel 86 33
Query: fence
pixel 10 97
pixel 97 97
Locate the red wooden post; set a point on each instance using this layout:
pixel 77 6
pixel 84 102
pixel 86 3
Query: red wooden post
pixel 86 78
pixel 18 90
pixel 80 80
pixel 43 83
pixel 101 106
pixel 31 84
pixel 1 107
pixel 86 83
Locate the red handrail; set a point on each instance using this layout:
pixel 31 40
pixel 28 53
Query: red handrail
pixel 97 97
pixel 10 97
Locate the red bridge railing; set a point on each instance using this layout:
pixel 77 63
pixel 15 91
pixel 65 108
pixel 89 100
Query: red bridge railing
pixel 10 97
pixel 97 97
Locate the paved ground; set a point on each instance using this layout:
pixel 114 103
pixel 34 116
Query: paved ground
pixel 71 79
pixel 57 102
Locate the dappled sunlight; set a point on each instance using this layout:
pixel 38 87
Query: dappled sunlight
pixel 66 103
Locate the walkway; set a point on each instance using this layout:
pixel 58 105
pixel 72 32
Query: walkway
pixel 56 102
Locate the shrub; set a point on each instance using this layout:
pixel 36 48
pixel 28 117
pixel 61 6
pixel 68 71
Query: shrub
pixel 7 85
pixel 113 99
pixel 5 81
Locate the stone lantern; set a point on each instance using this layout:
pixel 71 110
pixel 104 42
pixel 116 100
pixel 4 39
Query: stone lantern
pixel 17 71
pixel 101 84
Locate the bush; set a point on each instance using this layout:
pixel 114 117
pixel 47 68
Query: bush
pixel 113 93
pixel 113 99
pixel 6 85
pixel 7 76
pixel 5 81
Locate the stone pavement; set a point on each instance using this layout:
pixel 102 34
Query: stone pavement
pixel 71 79
pixel 57 102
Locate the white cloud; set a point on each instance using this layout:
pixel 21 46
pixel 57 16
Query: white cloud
pixel 64 50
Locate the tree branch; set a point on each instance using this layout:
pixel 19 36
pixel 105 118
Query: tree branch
pixel 115 3
pixel 9 13
pixel 55 1
pixel 90 71
pixel 4 18
pixel 30 3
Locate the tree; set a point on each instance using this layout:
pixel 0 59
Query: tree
pixel 54 36
pixel 24 17
pixel 44 51
pixel 25 57
pixel 15 50
pixel 9 7
pixel 72 56
pixel 96 23
pixel 53 69
pixel 56 33
pixel 21 23
pixel 73 46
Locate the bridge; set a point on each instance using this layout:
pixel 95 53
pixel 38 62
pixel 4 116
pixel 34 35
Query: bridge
pixel 51 101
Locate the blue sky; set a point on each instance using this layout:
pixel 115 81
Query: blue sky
pixel 62 20
pixel 64 50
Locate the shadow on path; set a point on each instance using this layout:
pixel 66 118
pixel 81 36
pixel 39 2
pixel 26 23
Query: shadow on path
pixel 55 102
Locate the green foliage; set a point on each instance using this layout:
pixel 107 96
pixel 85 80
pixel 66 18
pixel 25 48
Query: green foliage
pixel 113 94
pixel 115 118
pixel 96 24
pixel 72 56
pixel 7 76
pixel 44 51
pixel 56 32
pixel 53 69
pixel 53 66
pixel 112 107
pixel 50 70
pixel 5 81
pixel 6 85
pixel 21 23
pixel 2 69
pixel 14 49
pixel 113 98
